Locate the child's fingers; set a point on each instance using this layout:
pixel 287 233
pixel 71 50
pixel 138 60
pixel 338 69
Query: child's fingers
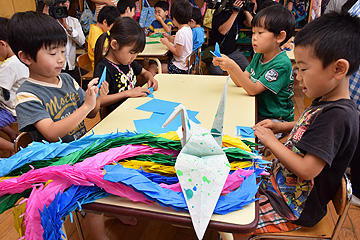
pixel 93 82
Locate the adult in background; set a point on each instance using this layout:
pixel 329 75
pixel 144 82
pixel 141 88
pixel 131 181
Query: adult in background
pixel 75 36
pixel 225 29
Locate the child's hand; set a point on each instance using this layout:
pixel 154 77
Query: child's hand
pixel 138 92
pixel 224 62
pixel 152 82
pixel 265 135
pixel 90 94
pixel 166 35
pixel 104 89
pixel 158 17
pixel 165 41
pixel 267 123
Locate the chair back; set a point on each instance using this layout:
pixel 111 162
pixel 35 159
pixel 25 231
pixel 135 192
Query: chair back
pixel 193 62
pixel 341 202
pixel 83 62
pixel 22 141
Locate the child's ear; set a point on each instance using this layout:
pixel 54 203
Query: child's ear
pixel 24 57
pixel 166 13
pixel 105 23
pixel 3 43
pixel 127 10
pixel 341 68
pixel 114 44
pixel 281 37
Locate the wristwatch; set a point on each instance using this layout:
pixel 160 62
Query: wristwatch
pixel 70 30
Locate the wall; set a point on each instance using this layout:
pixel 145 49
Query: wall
pixel 9 7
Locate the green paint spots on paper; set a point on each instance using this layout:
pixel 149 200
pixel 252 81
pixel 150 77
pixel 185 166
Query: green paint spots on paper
pixel 189 194
pixel 228 165
pixel 208 194
pixel 204 178
pixel 190 180
pixel 179 173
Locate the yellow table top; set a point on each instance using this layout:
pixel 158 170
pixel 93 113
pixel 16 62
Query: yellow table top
pixel 154 49
pixel 197 93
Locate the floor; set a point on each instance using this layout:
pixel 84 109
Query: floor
pixel 155 230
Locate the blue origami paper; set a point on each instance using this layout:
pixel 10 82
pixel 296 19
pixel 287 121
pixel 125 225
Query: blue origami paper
pixel 158 106
pixel 245 132
pixel 216 52
pixel 102 79
pixel 151 92
pixel 38 151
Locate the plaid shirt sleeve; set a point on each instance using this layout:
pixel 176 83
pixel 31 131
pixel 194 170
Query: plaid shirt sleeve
pixel 354 88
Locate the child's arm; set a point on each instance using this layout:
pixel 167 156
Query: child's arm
pixel 107 2
pixel 133 93
pixel 176 49
pixel 307 167
pixel 52 131
pixel 171 38
pixel 166 27
pixel 152 82
pixel 240 78
pixel 276 127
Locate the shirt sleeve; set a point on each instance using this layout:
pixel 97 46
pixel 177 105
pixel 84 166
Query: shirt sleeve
pixel 151 27
pixel 7 77
pixel 77 35
pixel 29 103
pixel 325 135
pixel 170 23
pixel 180 38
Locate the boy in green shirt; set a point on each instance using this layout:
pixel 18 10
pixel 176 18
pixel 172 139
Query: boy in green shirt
pixel 269 75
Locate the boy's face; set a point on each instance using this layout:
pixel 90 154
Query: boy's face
pixel 49 63
pixel 263 40
pixel 129 12
pixel 313 78
pixel 161 13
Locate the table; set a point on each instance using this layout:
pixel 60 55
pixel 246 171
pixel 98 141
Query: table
pixel 197 93
pixel 154 50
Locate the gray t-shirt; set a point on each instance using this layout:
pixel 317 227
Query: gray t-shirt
pixel 36 100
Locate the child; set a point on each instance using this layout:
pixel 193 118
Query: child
pixel 161 24
pixel 49 105
pixel 126 8
pixel 119 60
pixel 323 140
pixel 12 74
pixel 181 12
pixel 269 75
pixel 106 18
pixel 197 30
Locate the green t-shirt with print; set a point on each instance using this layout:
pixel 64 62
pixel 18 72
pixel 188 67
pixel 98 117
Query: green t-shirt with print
pixel 276 76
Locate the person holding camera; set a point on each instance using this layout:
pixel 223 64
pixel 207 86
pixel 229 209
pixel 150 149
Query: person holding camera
pixel 75 36
pixel 225 26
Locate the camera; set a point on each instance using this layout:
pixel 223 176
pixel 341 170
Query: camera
pixel 247 6
pixel 55 11
pixel 228 5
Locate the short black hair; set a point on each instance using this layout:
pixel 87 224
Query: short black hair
pixel 30 31
pixel 123 4
pixel 108 13
pixel 333 36
pixel 3 29
pixel 163 5
pixel 275 19
pixel 196 15
pixel 181 11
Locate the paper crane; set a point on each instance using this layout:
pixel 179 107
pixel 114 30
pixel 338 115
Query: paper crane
pixel 202 166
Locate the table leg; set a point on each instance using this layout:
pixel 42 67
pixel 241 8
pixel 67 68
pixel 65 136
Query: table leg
pixel 226 236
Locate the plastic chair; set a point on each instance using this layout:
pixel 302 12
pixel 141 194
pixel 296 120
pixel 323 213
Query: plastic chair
pixel 22 141
pixel 83 61
pixel 325 229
